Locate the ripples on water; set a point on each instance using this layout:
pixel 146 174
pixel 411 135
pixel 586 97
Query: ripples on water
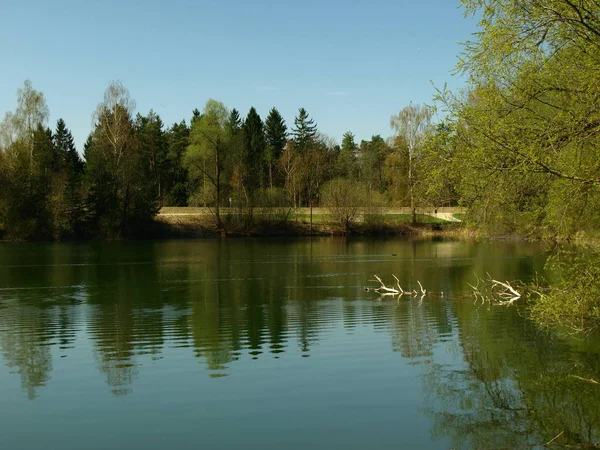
pixel 275 344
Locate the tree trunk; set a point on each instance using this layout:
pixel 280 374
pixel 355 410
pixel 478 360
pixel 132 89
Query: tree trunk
pixel 310 203
pixel 218 188
pixel 311 228
pixel 411 188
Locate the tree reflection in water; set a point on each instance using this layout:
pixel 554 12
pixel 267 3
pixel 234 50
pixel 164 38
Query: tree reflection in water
pixel 490 378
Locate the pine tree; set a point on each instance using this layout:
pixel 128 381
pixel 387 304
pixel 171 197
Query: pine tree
pixel 236 170
pixel 176 182
pixel 304 131
pixel 66 203
pixel 234 123
pixel 64 145
pixel 152 144
pixel 347 164
pixel 254 152
pixel 196 114
pixel 276 138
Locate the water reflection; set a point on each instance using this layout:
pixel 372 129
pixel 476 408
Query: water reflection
pixel 491 379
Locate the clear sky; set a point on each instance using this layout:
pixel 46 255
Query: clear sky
pixel 351 64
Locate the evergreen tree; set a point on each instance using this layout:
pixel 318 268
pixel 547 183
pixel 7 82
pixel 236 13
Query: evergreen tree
pixel 234 123
pixel 347 163
pixel 152 144
pixel 304 131
pixel 254 152
pixel 196 114
pixel 176 182
pixel 276 138
pixel 236 169
pixel 64 145
pixel 66 203
pixel 373 154
pixel 44 157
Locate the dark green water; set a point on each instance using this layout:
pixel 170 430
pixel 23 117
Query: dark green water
pixel 274 344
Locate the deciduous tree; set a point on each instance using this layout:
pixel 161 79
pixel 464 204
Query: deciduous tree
pixel 412 122
pixel 208 152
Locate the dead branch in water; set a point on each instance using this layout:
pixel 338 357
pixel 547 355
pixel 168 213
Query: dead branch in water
pixel 385 290
pixel 495 292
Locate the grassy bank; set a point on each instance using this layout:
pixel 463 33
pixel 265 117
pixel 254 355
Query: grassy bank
pixel 200 225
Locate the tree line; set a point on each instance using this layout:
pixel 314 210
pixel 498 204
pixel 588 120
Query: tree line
pixel 132 165
pixel 518 147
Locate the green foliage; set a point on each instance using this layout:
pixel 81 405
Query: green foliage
pixel 524 143
pixel 413 123
pixel 347 161
pixel 176 174
pixel 439 178
pixel 26 214
pixel 122 197
pixel 254 154
pixel 67 201
pixel 372 155
pixel 304 131
pixel 153 146
pixel 207 155
pixel 571 300
pixel 276 138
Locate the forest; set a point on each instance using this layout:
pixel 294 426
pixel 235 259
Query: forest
pixel 518 146
pixel 132 165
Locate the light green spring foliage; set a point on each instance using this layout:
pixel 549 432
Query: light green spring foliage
pixel 207 155
pixel 525 138
pixel 572 300
pixel 527 128
pixel 207 141
pixel 438 179
pixel 413 123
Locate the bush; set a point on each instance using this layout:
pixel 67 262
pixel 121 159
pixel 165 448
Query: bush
pixel 345 200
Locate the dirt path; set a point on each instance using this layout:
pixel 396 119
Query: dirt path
pixel 446 213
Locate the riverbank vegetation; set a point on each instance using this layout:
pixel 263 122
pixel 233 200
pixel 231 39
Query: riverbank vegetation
pixel 523 140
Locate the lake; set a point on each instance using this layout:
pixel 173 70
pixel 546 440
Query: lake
pixel 274 344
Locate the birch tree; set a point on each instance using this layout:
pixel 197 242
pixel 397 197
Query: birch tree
pixel 412 123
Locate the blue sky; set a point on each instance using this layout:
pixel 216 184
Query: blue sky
pixel 350 64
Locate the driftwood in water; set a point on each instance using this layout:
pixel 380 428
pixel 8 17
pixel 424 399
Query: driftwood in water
pixel 384 290
pixel 495 292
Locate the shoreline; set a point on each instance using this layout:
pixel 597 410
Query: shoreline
pixel 173 227
pixel 194 227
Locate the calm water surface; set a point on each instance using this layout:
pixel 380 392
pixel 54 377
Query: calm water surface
pixel 274 344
